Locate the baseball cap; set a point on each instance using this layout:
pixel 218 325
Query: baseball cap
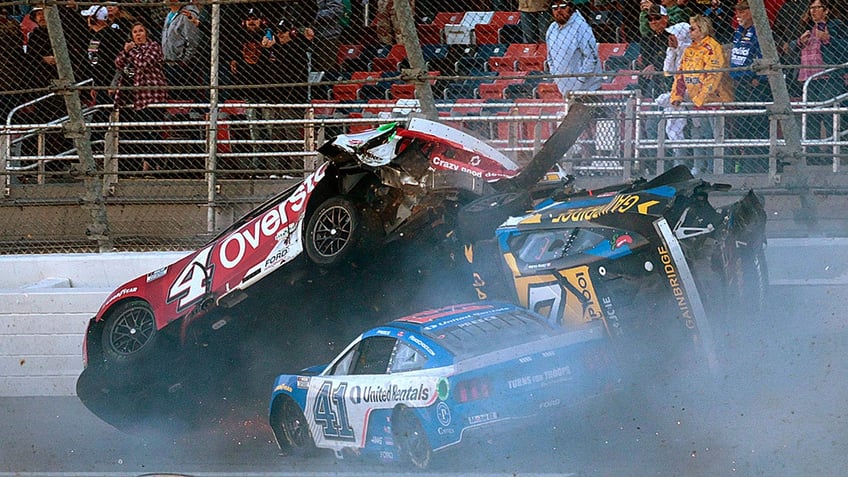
pixel 253 12
pixel 657 10
pixel 97 11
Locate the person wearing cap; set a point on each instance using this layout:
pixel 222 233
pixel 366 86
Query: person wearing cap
pixel 572 50
pixel 653 49
pixel 252 63
pixel 181 46
pixel 702 81
pixel 748 87
pixel 675 14
pixel 104 43
pixel 662 52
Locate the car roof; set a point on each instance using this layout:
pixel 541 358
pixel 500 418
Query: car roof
pixel 474 328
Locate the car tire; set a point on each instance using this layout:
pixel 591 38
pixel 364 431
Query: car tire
pixel 291 425
pixel 479 219
pixel 129 332
pixel 337 229
pixel 413 445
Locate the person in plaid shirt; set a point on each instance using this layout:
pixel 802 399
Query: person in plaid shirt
pixel 141 64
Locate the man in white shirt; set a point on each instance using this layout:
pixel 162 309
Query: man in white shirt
pixel 572 49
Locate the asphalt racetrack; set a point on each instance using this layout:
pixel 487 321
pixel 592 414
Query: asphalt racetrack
pixel 776 407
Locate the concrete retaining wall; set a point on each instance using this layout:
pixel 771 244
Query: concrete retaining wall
pixel 45 304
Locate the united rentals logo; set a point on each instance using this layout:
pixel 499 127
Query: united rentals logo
pixel 391 393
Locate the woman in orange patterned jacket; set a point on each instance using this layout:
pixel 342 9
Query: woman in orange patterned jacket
pixel 697 83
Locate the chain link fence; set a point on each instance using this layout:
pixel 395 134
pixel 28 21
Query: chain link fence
pixel 149 125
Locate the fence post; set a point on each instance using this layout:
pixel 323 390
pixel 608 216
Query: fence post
pixel 212 133
pixel 799 180
pixel 76 129
pixel 409 34
pixel 629 131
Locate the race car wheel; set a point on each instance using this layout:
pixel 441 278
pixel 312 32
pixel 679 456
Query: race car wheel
pixel 337 229
pixel 479 219
pixel 295 430
pixel 129 331
pixel 411 439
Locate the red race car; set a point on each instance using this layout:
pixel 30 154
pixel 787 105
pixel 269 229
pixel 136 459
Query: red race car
pixel 376 187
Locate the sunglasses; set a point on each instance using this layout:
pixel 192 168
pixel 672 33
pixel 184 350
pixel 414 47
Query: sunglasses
pixel 654 19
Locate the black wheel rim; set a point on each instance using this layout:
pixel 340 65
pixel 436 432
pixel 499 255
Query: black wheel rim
pixel 294 425
pixel 333 231
pixel 415 443
pixel 132 330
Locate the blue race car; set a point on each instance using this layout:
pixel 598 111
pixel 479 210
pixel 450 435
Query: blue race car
pixel 417 385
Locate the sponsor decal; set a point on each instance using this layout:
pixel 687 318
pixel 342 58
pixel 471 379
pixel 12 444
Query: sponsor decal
pixel 122 292
pixel 552 374
pixel 443 389
pixel 157 274
pixel 283 387
pixel 443 414
pixel 481 418
pixel 619 205
pixel 676 287
pixel 621 240
pixel 613 325
pixel 390 393
pixel 422 344
pixel 303 382
pixel 550 403
pixel 251 236
pixel 276 257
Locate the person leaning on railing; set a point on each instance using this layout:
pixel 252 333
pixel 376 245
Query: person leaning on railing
pixel 823 42
pixel 141 64
pixel 697 83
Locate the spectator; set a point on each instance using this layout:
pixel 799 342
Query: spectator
pixel 653 51
pixel 678 41
pixel 722 20
pixel 535 19
pixel 698 83
pixel 76 33
pixel 104 43
pixel 181 47
pixel 141 63
pixel 292 64
pixel 328 30
pixel 749 86
pixel 254 65
pixel 788 27
pixel 11 59
pixel 121 17
pixel 675 15
pixel 43 63
pixel 572 50
pixel 824 42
